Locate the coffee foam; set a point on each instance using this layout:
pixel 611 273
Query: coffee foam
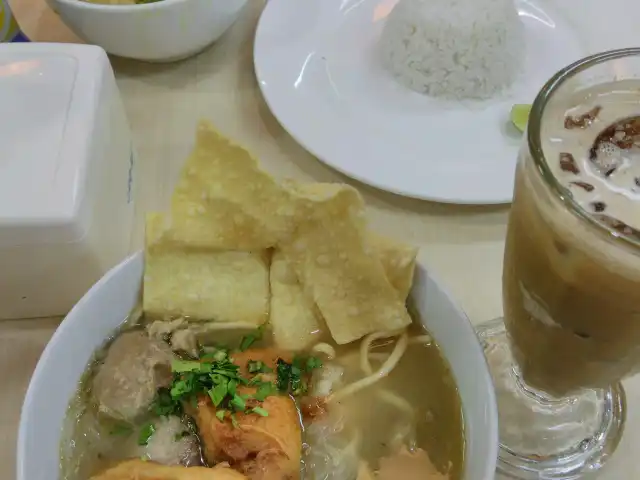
pixel 619 191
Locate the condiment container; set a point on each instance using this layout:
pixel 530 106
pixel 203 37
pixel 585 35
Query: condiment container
pixel 66 176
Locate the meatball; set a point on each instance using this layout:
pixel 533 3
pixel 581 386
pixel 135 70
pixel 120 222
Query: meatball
pixel 133 370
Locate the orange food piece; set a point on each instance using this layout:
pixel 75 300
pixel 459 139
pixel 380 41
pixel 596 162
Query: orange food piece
pixel 263 448
pixel 141 470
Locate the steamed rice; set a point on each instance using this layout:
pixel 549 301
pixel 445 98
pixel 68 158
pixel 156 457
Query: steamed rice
pixel 454 48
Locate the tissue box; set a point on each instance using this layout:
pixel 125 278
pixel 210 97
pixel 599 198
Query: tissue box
pixel 66 176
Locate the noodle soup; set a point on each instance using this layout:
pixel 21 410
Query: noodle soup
pixel 361 404
pixel 273 342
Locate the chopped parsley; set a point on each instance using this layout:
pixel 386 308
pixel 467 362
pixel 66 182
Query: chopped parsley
pixel 145 434
pixel 219 380
pixel 266 389
pixel 252 338
pixel 292 377
pixel 220 414
pixel 260 411
pixel 216 376
pixel 215 354
pixel 256 366
pixel 164 405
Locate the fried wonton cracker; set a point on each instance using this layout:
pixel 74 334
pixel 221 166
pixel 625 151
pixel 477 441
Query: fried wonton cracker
pixel 223 200
pixel 294 318
pixel 337 267
pixel 398 261
pixel 203 284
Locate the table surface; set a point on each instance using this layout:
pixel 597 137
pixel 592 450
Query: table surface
pixel 462 245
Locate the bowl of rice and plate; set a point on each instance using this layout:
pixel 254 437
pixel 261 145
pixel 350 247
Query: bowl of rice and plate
pixel 412 96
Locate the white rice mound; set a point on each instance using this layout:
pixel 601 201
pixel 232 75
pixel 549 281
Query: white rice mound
pixel 460 49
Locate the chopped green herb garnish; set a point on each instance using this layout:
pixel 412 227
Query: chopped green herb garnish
pixel 218 393
pixel 283 370
pixel 313 363
pixel 145 433
pixel 260 411
pixel 220 414
pixel 291 376
pixel 238 403
pixel 213 354
pixel 182 366
pixel 164 405
pixel 265 390
pixel 234 422
pixel 257 366
pixel 251 338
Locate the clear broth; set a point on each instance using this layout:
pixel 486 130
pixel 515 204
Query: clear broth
pixel 422 378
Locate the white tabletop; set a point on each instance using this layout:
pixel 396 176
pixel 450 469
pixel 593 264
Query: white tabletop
pixel 463 246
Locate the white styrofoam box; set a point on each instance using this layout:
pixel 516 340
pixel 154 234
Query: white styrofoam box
pixel 66 176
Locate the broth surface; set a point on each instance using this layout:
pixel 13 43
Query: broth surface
pixel 92 441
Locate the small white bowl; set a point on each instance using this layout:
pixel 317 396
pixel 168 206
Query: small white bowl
pixel 107 304
pixel 163 31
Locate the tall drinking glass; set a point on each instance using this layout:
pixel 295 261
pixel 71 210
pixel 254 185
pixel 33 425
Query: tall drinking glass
pixel 571 278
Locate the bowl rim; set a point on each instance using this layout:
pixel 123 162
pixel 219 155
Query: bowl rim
pixel 70 321
pixel 81 5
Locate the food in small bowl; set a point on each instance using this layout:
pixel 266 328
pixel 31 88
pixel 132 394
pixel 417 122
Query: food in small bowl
pixel 276 338
pixel 154 31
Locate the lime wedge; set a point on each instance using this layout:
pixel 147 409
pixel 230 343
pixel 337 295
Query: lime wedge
pixel 520 115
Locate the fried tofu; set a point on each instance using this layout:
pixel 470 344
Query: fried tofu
pixel 141 470
pixel 263 448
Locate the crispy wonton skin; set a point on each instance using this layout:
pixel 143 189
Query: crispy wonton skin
pixel 141 470
pixel 263 448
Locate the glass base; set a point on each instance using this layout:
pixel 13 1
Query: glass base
pixel 543 437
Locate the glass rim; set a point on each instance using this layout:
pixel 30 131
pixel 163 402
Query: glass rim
pixel 535 144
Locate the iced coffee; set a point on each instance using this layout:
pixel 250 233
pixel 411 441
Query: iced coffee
pixel 572 259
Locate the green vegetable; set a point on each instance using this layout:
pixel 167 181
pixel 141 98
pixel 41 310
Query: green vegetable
pixel 256 366
pixel 238 403
pixel 145 434
pixel 220 414
pixel 291 376
pixel 313 363
pixel 520 115
pixel 283 369
pixel 265 390
pixel 260 411
pixel 164 404
pixel 251 338
pixel 181 366
pixel 218 378
pixel 218 393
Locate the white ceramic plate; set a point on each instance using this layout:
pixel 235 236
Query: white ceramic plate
pixel 316 65
pixel 107 304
